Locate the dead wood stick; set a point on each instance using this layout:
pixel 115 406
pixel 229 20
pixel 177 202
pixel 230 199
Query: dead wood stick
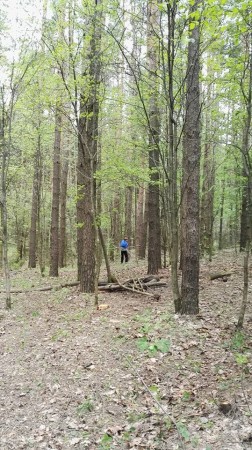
pixel 145 279
pixel 43 289
pixel 102 286
pixel 136 291
pixel 219 275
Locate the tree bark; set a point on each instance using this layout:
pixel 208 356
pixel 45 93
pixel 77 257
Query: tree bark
pixel 54 232
pixel 63 201
pixel 154 226
pixel 191 174
pixel 87 162
pixel 139 222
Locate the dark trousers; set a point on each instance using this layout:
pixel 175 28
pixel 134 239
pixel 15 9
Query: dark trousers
pixel 124 256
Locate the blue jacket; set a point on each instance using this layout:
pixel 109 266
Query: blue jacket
pixel 124 245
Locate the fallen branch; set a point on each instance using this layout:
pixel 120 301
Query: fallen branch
pixel 44 288
pixel 138 286
pixel 224 276
pixel 138 291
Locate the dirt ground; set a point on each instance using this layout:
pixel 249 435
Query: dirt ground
pixel 133 376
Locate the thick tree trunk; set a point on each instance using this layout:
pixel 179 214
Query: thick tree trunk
pixel 87 162
pixel 190 182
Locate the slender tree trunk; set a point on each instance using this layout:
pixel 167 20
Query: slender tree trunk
pixel 139 222
pixel 244 217
pixel 220 245
pixel 63 200
pixel 33 237
pixel 4 222
pixel 115 226
pixel 54 233
pixel 246 146
pixel 5 146
pixel 129 213
pixel 207 203
pixel 191 174
pixel 154 227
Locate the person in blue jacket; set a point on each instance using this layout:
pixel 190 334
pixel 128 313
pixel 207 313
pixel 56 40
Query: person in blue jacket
pixel 124 250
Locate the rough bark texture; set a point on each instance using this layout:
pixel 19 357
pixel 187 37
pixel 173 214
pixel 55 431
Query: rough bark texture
pixel 87 164
pixel 190 183
pixel 115 226
pixel 129 213
pixel 54 232
pixel 208 184
pixel 62 233
pixel 5 146
pixel 154 227
pixel 207 203
pixel 246 147
pixel 35 207
pixel 66 143
pixel 171 203
pixel 244 225
pixel 139 222
pixel 34 237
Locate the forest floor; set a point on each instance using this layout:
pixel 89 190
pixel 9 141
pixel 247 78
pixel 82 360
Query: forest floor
pixel 133 376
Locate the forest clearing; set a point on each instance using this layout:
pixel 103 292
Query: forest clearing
pixel 132 376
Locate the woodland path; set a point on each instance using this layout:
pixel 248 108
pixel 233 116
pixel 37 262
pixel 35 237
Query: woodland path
pixel 133 376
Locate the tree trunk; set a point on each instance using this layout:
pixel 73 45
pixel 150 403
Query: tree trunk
pixel 207 203
pixel 139 222
pixel 5 145
pixel 246 146
pixel 34 237
pixel 63 198
pixel 54 232
pixel 129 213
pixel 244 218
pixel 154 227
pixel 115 234
pixel 191 174
pixel 87 163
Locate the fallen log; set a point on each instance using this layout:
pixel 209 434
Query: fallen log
pixel 224 276
pixel 139 291
pixel 44 288
pixel 145 279
pixel 115 287
pixel 136 285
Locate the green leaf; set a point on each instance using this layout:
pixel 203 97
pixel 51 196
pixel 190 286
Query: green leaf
pixel 183 431
pixel 163 345
pixel 142 344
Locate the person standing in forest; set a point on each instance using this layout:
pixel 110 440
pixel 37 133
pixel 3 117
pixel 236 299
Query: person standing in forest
pixel 124 250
